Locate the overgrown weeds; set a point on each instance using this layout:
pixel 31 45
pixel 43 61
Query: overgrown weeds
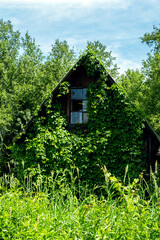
pixel 43 207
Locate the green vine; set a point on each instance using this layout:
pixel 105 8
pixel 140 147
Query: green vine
pixel 63 89
pixel 112 136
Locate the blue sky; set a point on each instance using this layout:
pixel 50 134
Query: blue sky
pixel 118 24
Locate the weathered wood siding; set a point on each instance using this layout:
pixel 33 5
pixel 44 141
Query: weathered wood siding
pixel 77 79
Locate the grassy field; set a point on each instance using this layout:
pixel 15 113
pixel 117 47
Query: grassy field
pixel 50 208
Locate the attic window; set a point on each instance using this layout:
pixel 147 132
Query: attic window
pixel 78 105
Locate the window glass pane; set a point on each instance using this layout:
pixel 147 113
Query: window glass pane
pixel 84 105
pixel 85 117
pixel 76 117
pixel 76 105
pixel 76 94
pixel 85 93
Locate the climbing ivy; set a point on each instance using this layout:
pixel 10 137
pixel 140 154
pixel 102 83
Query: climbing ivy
pixel 63 89
pixel 111 137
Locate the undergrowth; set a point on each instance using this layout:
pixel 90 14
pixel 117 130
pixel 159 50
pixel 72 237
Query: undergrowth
pixel 43 207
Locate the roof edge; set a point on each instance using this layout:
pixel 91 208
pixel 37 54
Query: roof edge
pixel 152 130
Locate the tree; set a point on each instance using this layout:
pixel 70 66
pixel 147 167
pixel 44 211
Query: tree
pixel 19 81
pixel 106 57
pixel 133 83
pixel 143 86
pixel 26 79
pixel 29 87
pixel 152 39
pixel 59 61
pixel 9 50
pixel 151 70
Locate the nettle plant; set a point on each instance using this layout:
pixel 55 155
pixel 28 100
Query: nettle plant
pixel 112 137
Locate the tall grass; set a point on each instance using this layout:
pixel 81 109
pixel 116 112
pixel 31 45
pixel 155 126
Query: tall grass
pixel 50 208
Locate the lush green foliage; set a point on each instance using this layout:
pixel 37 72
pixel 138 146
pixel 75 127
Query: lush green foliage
pixel 104 140
pixel 27 77
pixel 133 83
pixel 40 210
pixel 152 39
pixel 143 86
pixel 151 71
pixel 106 57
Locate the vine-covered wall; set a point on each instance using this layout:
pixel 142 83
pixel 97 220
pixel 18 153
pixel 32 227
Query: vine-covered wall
pixel 113 135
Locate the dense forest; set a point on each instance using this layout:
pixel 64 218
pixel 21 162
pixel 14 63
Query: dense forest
pixel 27 77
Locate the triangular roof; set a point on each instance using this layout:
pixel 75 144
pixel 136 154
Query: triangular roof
pixel 66 76
pixel 72 69
pixel 110 80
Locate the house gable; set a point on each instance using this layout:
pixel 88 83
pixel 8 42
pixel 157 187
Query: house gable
pixel 111 132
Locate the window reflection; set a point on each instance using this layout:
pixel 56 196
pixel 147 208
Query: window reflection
pixel 79 105
pixel 76 117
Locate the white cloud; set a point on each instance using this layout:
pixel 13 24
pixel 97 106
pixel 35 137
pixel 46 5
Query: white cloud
pixel 81 3
pixel 123 60
pixel 124 64
pixel 118 24
pixel 62 10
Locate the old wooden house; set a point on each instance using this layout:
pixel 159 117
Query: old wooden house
pixel 74 104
